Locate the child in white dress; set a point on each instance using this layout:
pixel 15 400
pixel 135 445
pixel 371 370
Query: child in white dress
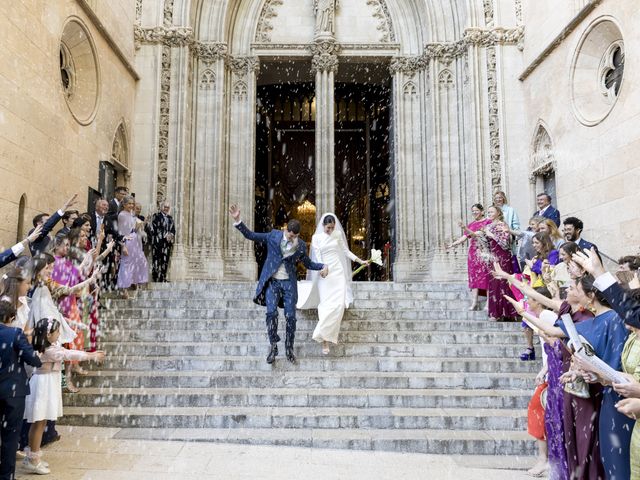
pixel 45 400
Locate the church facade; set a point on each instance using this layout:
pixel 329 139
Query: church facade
pixel 396 115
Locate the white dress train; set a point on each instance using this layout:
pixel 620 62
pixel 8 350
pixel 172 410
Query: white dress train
pixel 332 294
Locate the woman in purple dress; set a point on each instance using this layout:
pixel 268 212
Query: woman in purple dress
pixel 478 259
pixel 499 238
pixel 133 269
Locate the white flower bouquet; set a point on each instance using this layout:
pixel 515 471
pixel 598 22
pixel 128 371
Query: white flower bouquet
pixel 376 257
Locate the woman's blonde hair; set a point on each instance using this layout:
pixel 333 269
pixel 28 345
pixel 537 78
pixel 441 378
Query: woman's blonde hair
pixel 554 233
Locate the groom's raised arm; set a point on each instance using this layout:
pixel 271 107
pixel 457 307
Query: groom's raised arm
pixel 234 211
pixel 249 235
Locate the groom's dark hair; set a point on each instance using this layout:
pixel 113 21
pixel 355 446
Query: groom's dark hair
pixel 293 226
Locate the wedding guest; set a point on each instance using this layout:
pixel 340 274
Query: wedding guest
pixel 499 240
pixel 68 218
pixel 545 209
pixel 511 220
pixel 115 205
pixel 524 238
pixel 47 223
pixel 550 228
pixel 161 234
pixel 629 263
pixel 572 228
pixel 15 353
pixel 16 284
pixel 133 270
pixel 479 255
pixel 546 256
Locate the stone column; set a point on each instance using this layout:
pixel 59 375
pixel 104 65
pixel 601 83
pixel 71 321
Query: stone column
pixel 207 212
pixel 325 65
pixel 240 165
pixel 410 172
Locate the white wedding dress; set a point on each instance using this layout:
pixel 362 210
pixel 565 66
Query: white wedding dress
pixel 330 295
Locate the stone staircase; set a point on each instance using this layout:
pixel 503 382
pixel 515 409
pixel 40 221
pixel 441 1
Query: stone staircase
pixel 414 372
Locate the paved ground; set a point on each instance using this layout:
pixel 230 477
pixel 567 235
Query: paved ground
pixel 86 453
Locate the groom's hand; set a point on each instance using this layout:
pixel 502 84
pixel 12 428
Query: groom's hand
pixel 234 211
pixel 325 271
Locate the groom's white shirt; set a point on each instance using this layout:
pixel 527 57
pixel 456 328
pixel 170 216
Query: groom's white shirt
pixel 289 250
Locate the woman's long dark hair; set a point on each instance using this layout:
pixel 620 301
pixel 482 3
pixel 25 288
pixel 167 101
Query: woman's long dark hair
pixel 7 311
pixel 39 262
pixel 41 332
pixel 11 282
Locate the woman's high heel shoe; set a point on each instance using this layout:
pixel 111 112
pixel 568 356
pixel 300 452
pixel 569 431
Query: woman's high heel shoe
pixel 325 348
pixel 528 354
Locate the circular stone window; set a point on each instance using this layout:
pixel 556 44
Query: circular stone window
pixel 79 72
pixel 597 71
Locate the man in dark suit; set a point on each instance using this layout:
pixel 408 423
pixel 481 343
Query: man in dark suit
pixel 545 209
pixel 278 283
pixel 68 218
pixel 572 229
pixel 161 234
pixel 47 222
pixel 116 201
pixel 104 220
pixel 101 208
pixel 15 352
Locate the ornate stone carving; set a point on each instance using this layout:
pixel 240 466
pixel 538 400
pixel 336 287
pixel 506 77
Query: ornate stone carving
pixel 209 52
pixel 494 120
pixel 207 80
pixel 138 10
pixel 408 65
pixel 325 56
pixel 446 52
pixel 518 12
pixel 410 89
pixel 168 13
pixel 241 66
pixel 488 12
pixel 325 11
pixel 269 11
pixel 163 124
pixel 381 12
pixel 169 36
pixel 542 160
pixel 445 79
pixel 240 90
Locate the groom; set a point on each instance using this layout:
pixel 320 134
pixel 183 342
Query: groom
pixel 278 284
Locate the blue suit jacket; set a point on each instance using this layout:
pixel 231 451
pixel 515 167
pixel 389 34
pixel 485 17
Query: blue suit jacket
pixel 15 351
pixel 274 258
pixel 627 307
pixel 7 257
pixel 584 245
pixel 42 242
pixel 551 213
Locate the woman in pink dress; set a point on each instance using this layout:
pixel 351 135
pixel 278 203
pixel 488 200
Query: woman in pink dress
pixel 499 238
pixel 479 257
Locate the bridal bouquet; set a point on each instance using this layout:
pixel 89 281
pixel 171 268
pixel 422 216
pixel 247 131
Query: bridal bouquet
pixel 376 257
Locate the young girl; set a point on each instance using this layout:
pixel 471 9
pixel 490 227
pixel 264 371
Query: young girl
pixel 44 294
pixel 45 400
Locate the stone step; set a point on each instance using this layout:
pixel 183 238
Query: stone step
pixel 257 324
pixel 367 364
pixel 301 417
pixel 300 397
pixel 358 304
pixel 258 335
pixel 204 286
pixel 346 379
pixel 446 442
pixel 143 343
pixel 259 313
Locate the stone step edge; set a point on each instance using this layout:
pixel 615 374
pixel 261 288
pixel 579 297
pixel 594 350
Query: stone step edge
pixel 304 374
pixel 297 411
pixel 290 391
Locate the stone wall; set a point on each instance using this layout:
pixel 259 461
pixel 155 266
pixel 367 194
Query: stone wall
pixel 45 152
pixel 597 165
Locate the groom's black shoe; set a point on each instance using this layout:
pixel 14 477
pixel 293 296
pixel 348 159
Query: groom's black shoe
pixel 291 357
pixel 273 353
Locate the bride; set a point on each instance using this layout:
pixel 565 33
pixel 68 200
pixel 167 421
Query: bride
pixel 331 295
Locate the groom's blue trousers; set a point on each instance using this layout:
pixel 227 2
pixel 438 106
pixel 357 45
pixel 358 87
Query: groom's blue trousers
pixel 277 289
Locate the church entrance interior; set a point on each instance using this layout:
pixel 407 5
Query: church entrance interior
pixel 285 156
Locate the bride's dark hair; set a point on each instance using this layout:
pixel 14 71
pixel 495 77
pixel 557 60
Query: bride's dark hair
pixel 328 220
